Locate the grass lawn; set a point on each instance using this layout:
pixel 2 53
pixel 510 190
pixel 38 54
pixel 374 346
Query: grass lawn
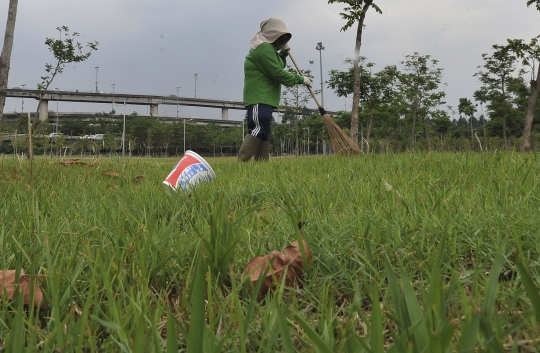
pixel 411 253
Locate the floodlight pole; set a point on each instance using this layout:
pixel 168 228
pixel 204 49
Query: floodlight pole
pixel 97 69
pixel 22 103
pixel 320 48
pixel 196 76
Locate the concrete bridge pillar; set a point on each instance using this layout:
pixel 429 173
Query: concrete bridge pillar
pixel 44 110
pixel 153 110
pixel 224 114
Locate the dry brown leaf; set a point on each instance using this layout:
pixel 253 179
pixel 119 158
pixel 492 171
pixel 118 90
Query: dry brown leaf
pixel 288 263
pixel 8 286
pixel 73 161
pixel 110 173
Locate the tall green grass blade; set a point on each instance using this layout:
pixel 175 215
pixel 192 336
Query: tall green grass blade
pixel 490 337
pixel 315 338
pixel 15 341
pixel 376 339
pixel 172 336
pixel 197 326
pixel 414 312
pixel 469 335
pixel 284 329
pixel 493 283
pixel 530 288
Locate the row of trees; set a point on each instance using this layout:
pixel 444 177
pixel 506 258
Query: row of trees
pixel 401 108
pixel 410 97
pixel 299 133
pixel 418 87
pixel 145 136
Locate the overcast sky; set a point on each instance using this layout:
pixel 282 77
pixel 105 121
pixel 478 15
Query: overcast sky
pixel 152 47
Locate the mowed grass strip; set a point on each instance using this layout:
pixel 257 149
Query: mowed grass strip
pixel 438 243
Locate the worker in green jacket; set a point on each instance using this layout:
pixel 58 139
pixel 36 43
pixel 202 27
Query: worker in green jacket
pixel 264 73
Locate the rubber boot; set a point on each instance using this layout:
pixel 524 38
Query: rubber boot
pixel 263 151
pixel 248 148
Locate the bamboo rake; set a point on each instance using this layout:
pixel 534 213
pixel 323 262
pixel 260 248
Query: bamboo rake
pixel 341 142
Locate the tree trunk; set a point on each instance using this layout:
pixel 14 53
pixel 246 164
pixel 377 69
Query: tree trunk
pixel 368 134
pixel 426 130
pixel 504 133
pixel 413 140
pixel 5 57
pixel 296 147
pixel 356 84
pixel 535 88
pixel 504 115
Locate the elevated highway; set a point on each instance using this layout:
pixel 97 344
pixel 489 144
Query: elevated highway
pixel 118 98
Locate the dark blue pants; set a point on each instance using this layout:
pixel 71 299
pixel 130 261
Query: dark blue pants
pixel 259 120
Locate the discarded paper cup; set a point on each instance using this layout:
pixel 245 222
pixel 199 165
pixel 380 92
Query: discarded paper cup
pixel 189 172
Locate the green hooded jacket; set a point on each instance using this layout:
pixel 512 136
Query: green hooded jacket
pixel 264 67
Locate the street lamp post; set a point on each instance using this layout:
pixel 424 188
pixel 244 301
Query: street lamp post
pixel 124 133
pixel 113 84
pixel 177 96
pixel 196 74
pixel 320 48
pixel 97 69
pixel 57 113
pixel 185 134
pixel 22 103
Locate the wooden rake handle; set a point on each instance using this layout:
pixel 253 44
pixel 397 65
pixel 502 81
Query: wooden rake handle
pixel 321 109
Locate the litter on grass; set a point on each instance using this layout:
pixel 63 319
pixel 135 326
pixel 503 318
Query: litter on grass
pixel 189 172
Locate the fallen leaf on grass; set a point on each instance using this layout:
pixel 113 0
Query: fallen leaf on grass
pixel 77 161
pixel 275 265
pixel 8 287
pixel 110 173
pixel 73 161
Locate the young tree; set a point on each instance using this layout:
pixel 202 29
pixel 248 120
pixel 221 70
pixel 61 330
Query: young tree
pixel 481 96
pixel 5 57
pixel 530 53
pixel 355 12
pixel 467 108
pixel 65 51
pixel 419 89
pixel 376 92
pixel 294 99
pixel 498 69
pixel 441 123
